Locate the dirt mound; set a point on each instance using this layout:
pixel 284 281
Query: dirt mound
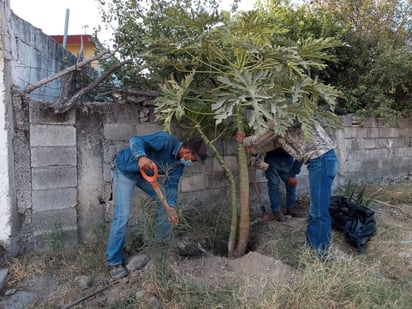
pixel 254 271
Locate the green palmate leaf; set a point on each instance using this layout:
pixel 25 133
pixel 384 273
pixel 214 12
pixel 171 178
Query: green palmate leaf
pixel 170 104
pixel 318 48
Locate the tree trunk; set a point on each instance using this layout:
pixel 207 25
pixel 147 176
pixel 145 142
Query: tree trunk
pixel 244 220
pixel 233 191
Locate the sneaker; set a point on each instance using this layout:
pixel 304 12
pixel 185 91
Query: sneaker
pixel 118 271
pixel 278 216
pixel 297 213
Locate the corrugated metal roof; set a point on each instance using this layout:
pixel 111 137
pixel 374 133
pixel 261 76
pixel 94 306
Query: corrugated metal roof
pixel 73 39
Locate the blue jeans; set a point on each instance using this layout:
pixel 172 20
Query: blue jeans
pixel 322 171
pixel 279 169
pixel 123 195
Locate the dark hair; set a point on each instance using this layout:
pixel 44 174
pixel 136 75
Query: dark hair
pixel 198 146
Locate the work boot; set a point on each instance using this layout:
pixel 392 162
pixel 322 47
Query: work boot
pixel 297 213
pixel 118 271
pixel 278 216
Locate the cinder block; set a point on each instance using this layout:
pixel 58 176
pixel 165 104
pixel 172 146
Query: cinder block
pixel 147 128
pixel 388 132
pixel 369 143
pixel 110 148
pixel 405 123
pixel 405 152
pixel 374 154
pixel 357 143
pixel 48 240
pixel 346 120
pixel 48 221
pixel 392 142
pixel 118 131
pixel 54 199
pixel 361 132
pixel 373 175
pixel 205 200
pixel 373 132
pixel 369 165
pixel 41 115
pixel 369 122
pixel 52 135
pixel 120 113
pixel 405 132
pixel 107 172
pixel 230 148
pixel 353 166
pixel 54 177
pixel 219 145
pixel 52 156
pixel 354 154
pixel 193 183
pixel 216 180
pixel 349 132
pixel 231 161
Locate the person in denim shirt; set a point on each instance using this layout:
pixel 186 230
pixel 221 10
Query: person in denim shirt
pixel 171 156
pixel 282 166
pixel 316 150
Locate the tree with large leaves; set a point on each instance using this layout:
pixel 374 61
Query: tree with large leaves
pixel 230 72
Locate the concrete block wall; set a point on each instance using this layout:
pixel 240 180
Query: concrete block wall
pixel 201 186
pixel 70 167
pixel 36 56
pixel 53 153
pixel 28 56
pixel 371 149
pixel 58 172
pixel 72 155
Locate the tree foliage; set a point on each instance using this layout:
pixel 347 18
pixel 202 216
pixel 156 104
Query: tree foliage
pixel 219 71
pixel 374 69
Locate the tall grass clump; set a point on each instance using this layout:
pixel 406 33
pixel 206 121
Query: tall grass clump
pixel 341 284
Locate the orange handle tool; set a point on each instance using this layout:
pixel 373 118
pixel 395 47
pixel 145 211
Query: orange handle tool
pixel 155 185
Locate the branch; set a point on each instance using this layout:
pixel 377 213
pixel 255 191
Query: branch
pixel 68 70
pixel 66 89
pixel 394 206
pixel 63 107
pixel 148 93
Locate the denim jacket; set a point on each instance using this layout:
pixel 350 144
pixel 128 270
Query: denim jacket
pixel 160 147
pixel 300 146
pixel 280 154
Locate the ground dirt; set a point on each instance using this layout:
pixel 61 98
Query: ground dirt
pixel 267 262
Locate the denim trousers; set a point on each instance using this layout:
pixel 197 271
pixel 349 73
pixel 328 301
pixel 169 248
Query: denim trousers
pixel 123 195
pixel 279 168
pixel 322 172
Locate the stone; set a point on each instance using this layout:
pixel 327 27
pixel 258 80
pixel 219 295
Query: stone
pixel 137 262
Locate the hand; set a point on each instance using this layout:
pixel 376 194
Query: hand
pixel 172 216
pixel 145 163
pixel 239 137
pixel 292 182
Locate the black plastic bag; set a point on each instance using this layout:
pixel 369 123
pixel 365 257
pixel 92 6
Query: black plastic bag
pixel 355 220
